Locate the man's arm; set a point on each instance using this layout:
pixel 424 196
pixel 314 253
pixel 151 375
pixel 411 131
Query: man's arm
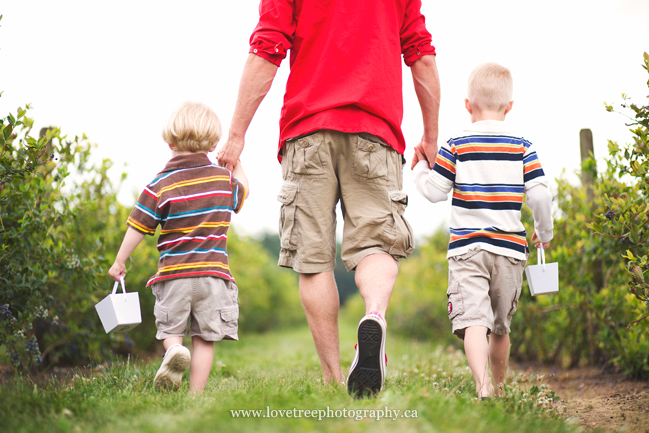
pixel 257 77
pixel 426 81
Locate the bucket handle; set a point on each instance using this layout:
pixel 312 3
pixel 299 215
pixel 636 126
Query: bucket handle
pixel 121 280
pixel 540 257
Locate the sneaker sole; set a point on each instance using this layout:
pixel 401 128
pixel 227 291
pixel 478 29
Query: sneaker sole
pixel 171 371
pixel 365 378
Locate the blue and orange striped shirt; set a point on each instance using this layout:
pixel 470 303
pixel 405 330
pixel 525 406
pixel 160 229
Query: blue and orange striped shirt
pixel 489 171
pixel 192 200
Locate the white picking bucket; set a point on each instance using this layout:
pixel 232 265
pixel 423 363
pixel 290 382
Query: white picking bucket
pixel 119 312
pixel 543 278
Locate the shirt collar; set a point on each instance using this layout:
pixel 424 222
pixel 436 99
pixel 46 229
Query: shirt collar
pixel 488 126
pixel 187 161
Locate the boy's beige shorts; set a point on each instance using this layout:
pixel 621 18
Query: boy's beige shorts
pixel 361 172
pixel 483 291
pixel 212 304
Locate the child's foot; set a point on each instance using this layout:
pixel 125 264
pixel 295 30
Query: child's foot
pixel 486 392
pixel 174 363
pixel 367 372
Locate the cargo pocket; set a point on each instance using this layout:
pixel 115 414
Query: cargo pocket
pixel 161 318
pixel 287 232
pixel 233 291
pixel 230 323
pixel 515 302
pixel 455 305
pixel 306 155
pixel 370 160
pixel 400 237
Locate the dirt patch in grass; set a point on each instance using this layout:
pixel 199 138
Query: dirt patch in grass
pixel 599 399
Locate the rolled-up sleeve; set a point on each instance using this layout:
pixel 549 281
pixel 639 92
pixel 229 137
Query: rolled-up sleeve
pixel 273 36
pixel 416 41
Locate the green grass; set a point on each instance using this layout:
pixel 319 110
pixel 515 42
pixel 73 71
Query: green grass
pixel 279 370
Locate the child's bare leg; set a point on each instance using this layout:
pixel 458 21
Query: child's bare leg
pixel 499 356
pixel 201 365
pixel 476 348
pixel 168 342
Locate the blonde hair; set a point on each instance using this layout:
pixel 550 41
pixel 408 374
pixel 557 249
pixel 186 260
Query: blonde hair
pixel 491 87
pixel 193 127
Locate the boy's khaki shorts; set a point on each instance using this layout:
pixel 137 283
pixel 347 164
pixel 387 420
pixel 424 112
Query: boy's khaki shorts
pixel 366 176
pixel 212 303
pixel 483 291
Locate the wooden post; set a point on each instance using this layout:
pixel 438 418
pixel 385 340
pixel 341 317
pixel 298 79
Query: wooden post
pixel 587 151
pixel 588 177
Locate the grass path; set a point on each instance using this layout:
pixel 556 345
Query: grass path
pixel 281 370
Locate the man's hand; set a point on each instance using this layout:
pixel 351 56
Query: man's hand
pixel 546 245
pixel 425 150
pixel 228 154
pixel 117 271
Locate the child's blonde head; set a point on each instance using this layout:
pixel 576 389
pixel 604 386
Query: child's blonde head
pixel 490 87
pixel 193 127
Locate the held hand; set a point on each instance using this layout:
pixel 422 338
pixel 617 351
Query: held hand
pixel 228 154
pixel 428 148
pixel 418 156
pixel 117 271
pixel 546 245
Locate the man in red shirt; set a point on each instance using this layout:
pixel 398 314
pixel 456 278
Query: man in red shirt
pixel 341 140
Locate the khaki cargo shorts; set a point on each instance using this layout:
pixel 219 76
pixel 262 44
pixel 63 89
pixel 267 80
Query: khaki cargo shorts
pixel 483 291
pixel 211 303
pixel 361 172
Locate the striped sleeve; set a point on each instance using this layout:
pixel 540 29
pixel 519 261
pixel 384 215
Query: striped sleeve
pixel 145 217
pixel 442 175
pixel 238 194
pixel 533 173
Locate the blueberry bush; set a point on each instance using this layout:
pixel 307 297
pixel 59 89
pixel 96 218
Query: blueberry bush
pixel 601 243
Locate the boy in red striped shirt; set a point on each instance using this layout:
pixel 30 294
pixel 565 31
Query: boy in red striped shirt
pixel 192 200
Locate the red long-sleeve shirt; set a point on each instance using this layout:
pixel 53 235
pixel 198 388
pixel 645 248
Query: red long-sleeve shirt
pixel 345 62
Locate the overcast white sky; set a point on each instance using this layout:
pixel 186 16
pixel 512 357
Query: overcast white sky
pixel 116 70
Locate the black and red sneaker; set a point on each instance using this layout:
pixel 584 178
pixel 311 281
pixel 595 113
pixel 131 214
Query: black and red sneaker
pixel 367 373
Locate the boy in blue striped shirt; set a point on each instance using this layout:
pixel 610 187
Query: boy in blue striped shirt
pixel 489 169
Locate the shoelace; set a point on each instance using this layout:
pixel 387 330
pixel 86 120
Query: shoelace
pixel 386 355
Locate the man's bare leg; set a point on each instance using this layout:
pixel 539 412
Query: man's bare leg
pixel 319 295
pixel 375 278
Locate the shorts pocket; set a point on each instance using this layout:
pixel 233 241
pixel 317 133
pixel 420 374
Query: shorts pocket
pixel 161 317
pixel 230 322
pixel 233 291
pixel 287 232
pixel 401 238
pixel 515 302
pixel 306 155
pixel 370 160
pixel 455 305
